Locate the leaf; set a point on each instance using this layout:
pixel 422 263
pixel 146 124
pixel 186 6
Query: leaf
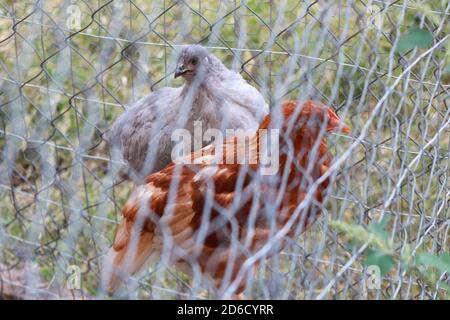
pixel 46 273
pixel 446 74
pixel 444 286
pixel 380 259
pixel 379 228
pixel 441 262
pixel 415 37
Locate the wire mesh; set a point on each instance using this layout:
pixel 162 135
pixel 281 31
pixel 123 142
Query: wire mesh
pixel 68 69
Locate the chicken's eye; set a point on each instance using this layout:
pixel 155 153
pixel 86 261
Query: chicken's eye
pixel 194 61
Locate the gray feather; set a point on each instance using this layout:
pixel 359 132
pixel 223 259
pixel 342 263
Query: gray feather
pixel 222 99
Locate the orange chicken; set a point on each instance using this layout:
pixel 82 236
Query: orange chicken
pixel 219 219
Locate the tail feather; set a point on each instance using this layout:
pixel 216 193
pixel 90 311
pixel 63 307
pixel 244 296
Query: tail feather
pixel 118 265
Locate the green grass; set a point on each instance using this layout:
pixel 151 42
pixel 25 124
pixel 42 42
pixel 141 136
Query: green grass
pixel 83 81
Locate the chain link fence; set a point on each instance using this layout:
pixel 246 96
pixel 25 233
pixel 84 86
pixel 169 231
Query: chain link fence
pixel 68 69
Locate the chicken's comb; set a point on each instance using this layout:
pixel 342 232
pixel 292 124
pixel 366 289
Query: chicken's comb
pixel 307 108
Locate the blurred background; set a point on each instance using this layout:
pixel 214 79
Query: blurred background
pixel 69 68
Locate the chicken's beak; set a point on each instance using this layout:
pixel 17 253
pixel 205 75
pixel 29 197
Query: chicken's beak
pixel 335 123
pixel 345 129
pixel 179 71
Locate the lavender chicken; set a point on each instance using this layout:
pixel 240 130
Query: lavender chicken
pixel 213 95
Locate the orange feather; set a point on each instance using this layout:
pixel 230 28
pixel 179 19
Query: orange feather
pixel 217 218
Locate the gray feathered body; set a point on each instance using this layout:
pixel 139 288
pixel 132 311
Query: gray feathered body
pixel 223 100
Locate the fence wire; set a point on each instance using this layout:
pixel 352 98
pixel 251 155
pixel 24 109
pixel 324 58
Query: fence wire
pixel 69 68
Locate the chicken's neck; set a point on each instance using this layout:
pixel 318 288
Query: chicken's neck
pixel 206 101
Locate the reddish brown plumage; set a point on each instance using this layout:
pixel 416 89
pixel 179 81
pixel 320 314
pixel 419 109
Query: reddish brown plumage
pixel 158 220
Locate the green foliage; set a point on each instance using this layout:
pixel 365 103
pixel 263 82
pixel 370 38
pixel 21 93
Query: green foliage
pixel 442 262
pixel 382 260
pixel 415 37
pixel 381 252
pixel 376 256
pixel 374 235
pixel 46 273
pixel 379 228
